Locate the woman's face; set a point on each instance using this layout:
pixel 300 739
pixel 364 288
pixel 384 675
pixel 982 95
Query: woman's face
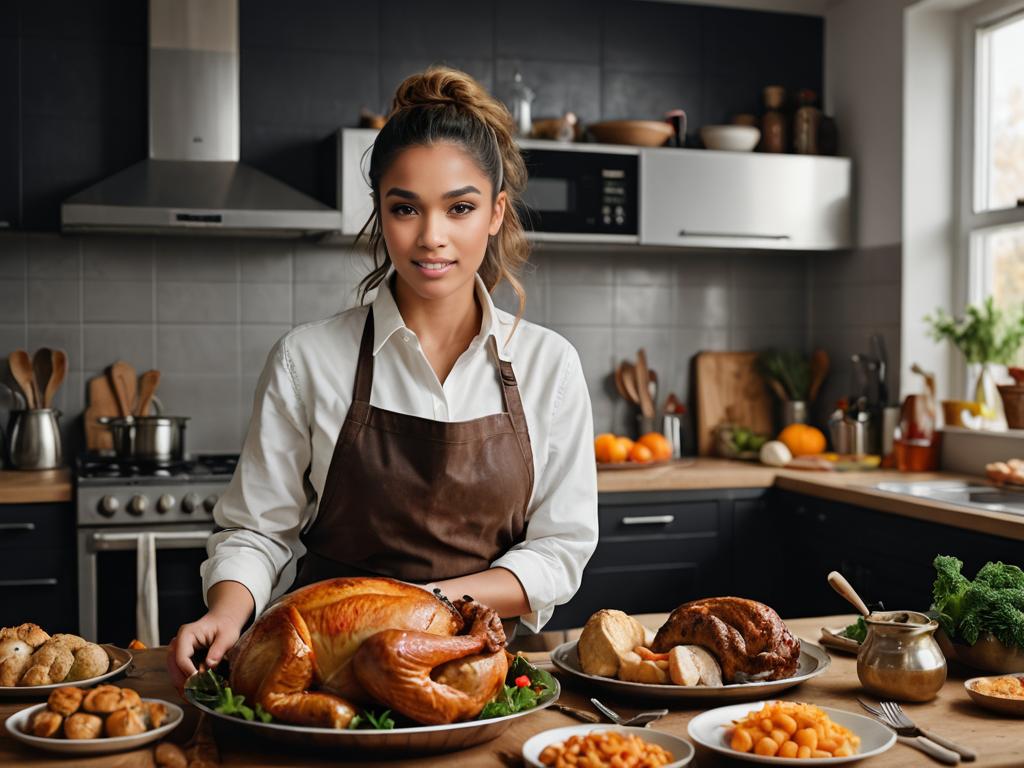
pixel 436 215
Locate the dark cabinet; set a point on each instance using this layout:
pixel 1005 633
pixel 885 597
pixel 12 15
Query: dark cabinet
pixel 660 549
pixel 37 566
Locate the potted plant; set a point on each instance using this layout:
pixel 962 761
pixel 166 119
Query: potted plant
pixel 985 336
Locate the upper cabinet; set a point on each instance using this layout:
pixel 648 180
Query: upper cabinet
pixel 708 199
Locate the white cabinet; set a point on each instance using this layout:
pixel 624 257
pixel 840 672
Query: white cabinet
pixel 703 198
pixel 353 181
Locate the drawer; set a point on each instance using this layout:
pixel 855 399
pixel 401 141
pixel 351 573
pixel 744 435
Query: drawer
pixel 700 547
pixel 658 519
pixel 36 525
pixel 53 607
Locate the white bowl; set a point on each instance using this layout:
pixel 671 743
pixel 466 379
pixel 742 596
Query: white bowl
pixel 731 138
pixel 681 749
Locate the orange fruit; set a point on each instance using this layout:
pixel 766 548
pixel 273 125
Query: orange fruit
pixel 603 445
pixel 640 453
pixel 803 440
pixel 658 444
pixel 626 443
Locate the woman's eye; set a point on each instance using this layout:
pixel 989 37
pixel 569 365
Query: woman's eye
pixel 403 210
pixel 461 209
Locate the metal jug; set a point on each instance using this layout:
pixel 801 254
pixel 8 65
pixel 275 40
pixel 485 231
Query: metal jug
pixel 900 659
pixel 35 439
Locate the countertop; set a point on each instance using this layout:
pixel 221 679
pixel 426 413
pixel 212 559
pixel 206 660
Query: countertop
pixel 851 487
pixel 21 487
pixel 995 738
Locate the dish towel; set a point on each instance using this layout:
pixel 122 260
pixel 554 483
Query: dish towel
pixel 147 612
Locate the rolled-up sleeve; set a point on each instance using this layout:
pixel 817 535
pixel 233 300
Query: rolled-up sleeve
pixel 268 500
pixel 561 532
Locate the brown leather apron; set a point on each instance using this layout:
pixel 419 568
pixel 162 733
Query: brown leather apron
pixel 416 499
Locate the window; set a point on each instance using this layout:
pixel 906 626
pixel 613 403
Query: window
pixel 992 161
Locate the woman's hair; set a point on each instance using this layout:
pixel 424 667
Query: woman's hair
pixel 444 105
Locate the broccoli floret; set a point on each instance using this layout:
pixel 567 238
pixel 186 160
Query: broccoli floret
pixel 1001 576
pixel 948 591
pixel 993 602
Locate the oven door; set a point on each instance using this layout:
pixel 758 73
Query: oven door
pixel 573 194
pixel 107 579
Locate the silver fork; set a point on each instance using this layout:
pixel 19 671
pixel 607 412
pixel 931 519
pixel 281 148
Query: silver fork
pixel 639 720
pixel 897 715
pixel 911 738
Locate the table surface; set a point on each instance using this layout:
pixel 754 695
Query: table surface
pixel 998 739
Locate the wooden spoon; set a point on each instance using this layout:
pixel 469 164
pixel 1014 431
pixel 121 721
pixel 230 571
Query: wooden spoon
pixel 122 381
pixel 148 382
pixel 21 370
pixel 819 370
pixel 643 385
pixel 58 370
pixel 839 583
pixel 630 384
pixel 42 370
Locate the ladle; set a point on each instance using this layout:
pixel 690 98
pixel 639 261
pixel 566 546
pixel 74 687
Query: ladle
pixel 844 588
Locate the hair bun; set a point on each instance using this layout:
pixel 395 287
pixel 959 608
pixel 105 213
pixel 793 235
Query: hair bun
pixel 438 86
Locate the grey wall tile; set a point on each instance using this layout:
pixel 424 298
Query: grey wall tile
pixel 645 306
pixel 196 259
pixel 772 307
pixel 314 263
pixel 207 400
pixel 314 301
pixel 579 304
pixel 265 261
pixel 394 68
pixel 649 95
pixel 560 86
pixel 257 341
pixel 12 301
pixel 699 270
pixel 568 30
pixel 769 270
pixel 66 337
pixel 199 349
pixel 105 344
pixel 644 268
pixel 53 301
pixel 576 268
pixel 702 306
pixel 117 301
pixel 266 302
pixel 117 258
pixel 51 257
pixel 192 302
pixel 12 337
pixel 536 299
pixel 12 255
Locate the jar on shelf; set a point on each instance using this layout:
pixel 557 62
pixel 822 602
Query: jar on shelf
pixel 805 123
pixel 773 121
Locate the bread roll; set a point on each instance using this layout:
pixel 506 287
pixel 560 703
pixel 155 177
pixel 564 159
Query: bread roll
pixel 14 658
pixel 682 666
pixel 48 665
pixel 66 701
pixel 606 637
pixel 45 723
pixel 105 699
pixel 83 726
pixel 90 661
pixel 125 722
pixel 32 634
pixel 156 713
pixel 634 669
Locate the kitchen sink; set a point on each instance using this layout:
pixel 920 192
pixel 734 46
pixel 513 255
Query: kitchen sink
pixel 971 495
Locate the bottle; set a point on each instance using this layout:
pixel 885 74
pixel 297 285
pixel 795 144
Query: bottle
pixel 773 121
pixel 805 123
pixel 918 440
pixel 522 99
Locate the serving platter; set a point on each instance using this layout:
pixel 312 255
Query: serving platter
pixel 681 749
pixel 709 729
pixel 627 465
pixel 18 722
pixel 418 740
pixel 120 660
pixel 813 662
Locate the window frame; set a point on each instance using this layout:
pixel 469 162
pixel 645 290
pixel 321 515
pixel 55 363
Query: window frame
pixel 970 225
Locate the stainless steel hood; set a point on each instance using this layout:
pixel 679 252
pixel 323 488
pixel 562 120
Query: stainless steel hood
pixel 192 182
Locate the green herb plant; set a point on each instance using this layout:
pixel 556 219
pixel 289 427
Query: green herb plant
pixel 857 631
pixel 370 721
pixel 790 369
pixel 213 691
pixel 513 697
pixel 993 602
pixel 986 334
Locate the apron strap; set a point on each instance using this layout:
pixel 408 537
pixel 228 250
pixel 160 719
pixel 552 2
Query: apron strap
pixel 509 385
pixel 364 368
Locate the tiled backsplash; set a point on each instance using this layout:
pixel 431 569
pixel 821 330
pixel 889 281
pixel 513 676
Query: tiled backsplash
pixel 206 311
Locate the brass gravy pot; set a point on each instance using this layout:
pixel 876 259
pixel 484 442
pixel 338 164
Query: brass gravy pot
pixel 900 658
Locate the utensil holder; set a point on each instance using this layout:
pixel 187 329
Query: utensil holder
pixel 644 424
pixel 672 429
pixel 35 441
pixel 793 412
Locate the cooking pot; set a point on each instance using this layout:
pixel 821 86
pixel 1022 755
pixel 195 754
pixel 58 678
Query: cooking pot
pixel 160 439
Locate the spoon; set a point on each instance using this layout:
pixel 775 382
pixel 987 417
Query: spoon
pixel 629 383
pixel 58 370
pixel 148 382
pixel 42 371
pixel 21 370
pixel 839 583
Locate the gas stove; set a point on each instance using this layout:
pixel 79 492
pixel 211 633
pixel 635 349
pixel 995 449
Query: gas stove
pixel 123 492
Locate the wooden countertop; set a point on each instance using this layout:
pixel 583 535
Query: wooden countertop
pixel 996 738
pixel 851 487
pixel 21 487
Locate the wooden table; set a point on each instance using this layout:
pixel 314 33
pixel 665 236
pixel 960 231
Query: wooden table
pixel 999 740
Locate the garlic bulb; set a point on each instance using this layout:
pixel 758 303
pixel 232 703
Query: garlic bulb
pixel 775 454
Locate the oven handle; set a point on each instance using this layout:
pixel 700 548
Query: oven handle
pixel 108 542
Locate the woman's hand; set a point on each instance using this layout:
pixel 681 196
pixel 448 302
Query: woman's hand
pixel 231 604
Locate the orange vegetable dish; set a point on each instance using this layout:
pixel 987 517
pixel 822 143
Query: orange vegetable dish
pixel 605 748
pixel 791 729
pixel 1006 687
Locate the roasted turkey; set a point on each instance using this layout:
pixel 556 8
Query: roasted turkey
pixel 747 637
pixel 324 650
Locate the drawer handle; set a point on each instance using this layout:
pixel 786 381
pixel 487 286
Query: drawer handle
pixel 28 583
pixel 17 526
pixel 649 520
pixel 733 235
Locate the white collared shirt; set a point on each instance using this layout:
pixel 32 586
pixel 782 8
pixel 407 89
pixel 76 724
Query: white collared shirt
pixel 301 402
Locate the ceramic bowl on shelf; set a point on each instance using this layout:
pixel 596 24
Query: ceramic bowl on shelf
pixel 638 133
pixel 730 138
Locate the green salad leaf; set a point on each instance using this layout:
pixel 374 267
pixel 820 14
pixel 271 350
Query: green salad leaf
pixel 857 631
pixel 370 721
pixel 213 691
pixel 514 698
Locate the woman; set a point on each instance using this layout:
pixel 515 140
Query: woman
pixel 429 437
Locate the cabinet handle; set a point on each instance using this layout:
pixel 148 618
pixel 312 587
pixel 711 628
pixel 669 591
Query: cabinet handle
pixel 17 526
pixel 732 235
pixel 649 520
pixel 28 583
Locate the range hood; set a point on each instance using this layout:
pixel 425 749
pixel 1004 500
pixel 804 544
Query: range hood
pixel 193 182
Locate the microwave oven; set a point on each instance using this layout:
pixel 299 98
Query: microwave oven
pixel 581 192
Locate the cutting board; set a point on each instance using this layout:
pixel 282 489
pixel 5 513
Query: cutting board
pixel 101 403
pixel 729 389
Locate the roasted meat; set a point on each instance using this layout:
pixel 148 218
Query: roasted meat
pixel 298 658
pixel 747 637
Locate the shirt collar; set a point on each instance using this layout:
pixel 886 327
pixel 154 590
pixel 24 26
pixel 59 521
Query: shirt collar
pixel 387 320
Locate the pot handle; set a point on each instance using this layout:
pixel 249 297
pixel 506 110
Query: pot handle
pixel 158 406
